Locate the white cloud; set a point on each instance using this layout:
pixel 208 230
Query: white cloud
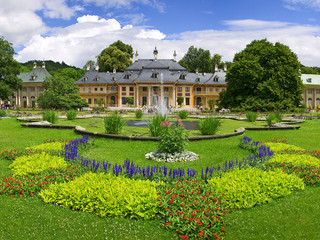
pixel 59 9
pixel 297 4
pixel 84 40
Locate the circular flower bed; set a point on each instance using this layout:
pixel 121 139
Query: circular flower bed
pixel 184 156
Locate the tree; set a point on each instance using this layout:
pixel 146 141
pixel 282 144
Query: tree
pixel 91 63
pixel 113 57
pixel 9 69
pixel 101 102
pixel 129 100
pixel 216 60
pixel 211 103
pixel 61 93
pixel 180 100
pixel 196 59
pixel 263 72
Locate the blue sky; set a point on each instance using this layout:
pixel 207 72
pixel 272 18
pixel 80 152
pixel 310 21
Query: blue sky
pixel 75 31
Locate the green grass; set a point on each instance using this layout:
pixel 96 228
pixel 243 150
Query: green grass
pixel 294 217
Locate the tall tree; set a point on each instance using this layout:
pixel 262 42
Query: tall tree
pixel 9 69
pixel 90 63
pixel 61 93
pixel 113 57
pixel 263 72
pixel 196 59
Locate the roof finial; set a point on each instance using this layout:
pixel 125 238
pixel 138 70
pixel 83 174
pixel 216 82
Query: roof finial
pixel 43 65
pixel 216 68
pixel 155 53
pixel 136 55
pixel 34 65
pixel 174 55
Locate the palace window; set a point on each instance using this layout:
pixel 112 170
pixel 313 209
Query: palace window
pixel 123 100
pixel 211 89
pixel 124 89
pixel 113 89
pixel 217 89
pixel 131 89
pixel 101 89
pixel 318 91
pixel 198 89
pixel 179 89
pixel 24 89
pixel 84 89
pixel 89 100
pixel 155 89
pixel 166 89
pixel 33 89
pixel 95 101
pixel 89 89
pixel 41 89
pixel 309 91
pixel 95 89
pixel 187 89
pixel 187 101
pixel 144 89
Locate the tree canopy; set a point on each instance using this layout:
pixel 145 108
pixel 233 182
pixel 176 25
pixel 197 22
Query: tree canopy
pixel 9 69
pixel 263 75
pixel 117 56
pixel 61 92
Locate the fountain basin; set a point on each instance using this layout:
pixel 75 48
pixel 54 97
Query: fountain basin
pixel 189 125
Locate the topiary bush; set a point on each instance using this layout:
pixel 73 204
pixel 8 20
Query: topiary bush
pixel 106 195
pixel 50 116
pixel 251 116
pixel 183 114
pixel 209 125
pixel 245 188
pixel 71 115
pixel 35 163
pixel 113 124
pixel 139 113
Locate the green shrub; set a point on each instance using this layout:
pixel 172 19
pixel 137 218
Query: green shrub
pixel 113 124
pixel 35 163
pixel 53 146
pixel 245 188
pixel 296 160
pixel 183 114
pixel 209 125
pixel 192 209
pixel 278 117
pixel 154 124
pixel 318 116
pixel 172 137
pixel 271 119
pixel 71 115
pixel 277 147
pixel 139 113
pixel 251 116
pixel 50 116
pixel 106 195
pixel 3 113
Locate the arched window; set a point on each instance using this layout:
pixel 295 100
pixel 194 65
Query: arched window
pixel 309 102
pixel 317 102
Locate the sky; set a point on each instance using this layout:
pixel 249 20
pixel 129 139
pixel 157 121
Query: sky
pixel 75 31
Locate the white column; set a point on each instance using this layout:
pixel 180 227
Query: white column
pixel 149 95
pixel 137 100
pixel 173 96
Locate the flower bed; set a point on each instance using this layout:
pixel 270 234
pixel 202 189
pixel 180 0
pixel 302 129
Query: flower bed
pixel 184 156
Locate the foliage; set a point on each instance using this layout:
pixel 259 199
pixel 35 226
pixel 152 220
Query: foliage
pixel 209 125
pixel 183 114
pixel 211 104
pixel 154 124
pixel 248 144
pixel 278 117
pixel 196 59
pixel 139 113
pixel 184 156
pixel 106 195
pixel 180 100
pixel 263 72
pixel 61 92
pixel 9 69
pixel 114 124
pixel 35 163
pixel 90 63
pixel 115 56
pixel 50 146
pixel 3 113
pixel 101 102
pixel 71 114
pixel 310 175
pixel 271 119
pixel 51 66
pixel 50 116
pixel 172 137
pixel 32 184
pixel 129 100
pixel 245 188
pixel 277 147
pixel 192 209
pixel 296 159
pixel 251 116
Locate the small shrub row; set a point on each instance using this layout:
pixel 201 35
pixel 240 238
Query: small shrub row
pixel 35 163
pixel 278 147
pixel 273 118
pixel 139 113
pixel 106 195
pixel 245 188
pixel 192 209
pixel 31 185
pixel 296 160
pixel 50 146
pixel 15 153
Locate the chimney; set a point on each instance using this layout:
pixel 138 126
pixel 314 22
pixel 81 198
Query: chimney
pixel 155 53
pixel 136 56
pixel 114 70
pixel 225 68
pixel 88 67
pixel 216 68
pixel 97 67
pixel 174 55
pixel 43 65
pixel 197 70
pixel 34 65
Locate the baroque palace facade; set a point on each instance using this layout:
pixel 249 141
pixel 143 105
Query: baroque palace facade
pixel 146 81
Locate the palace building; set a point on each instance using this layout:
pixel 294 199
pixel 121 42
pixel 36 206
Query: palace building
pixel 311 95
pixel 146 81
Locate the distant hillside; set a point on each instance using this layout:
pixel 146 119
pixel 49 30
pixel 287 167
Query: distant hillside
pixel 51 66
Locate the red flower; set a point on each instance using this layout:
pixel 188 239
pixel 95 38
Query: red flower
pixel 13 196
pixel 200 233
pixel 185 237
pixel 222 229
pixel 167 224
pixel 31 194
pixel 199 223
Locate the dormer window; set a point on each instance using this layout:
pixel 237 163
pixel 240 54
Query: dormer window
pixel 183 76
pixel 33 77
pixel 197 79
pixel 127 76
pixel 155 75
pixel 216 79
pixel 114 79
pixel 85 79
pixel 96 79
pixel 309 80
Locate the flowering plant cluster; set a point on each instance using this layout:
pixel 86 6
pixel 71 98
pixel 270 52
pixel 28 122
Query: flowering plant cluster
pixel 32 184
pixel 310 175
pixel 56 140
pixel 173 137
pixel 313 153
pixel 192 209
pixel 184 156
pixel 248 144
pixel 15 153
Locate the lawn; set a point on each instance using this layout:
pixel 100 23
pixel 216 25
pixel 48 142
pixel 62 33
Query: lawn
pixel 292 217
